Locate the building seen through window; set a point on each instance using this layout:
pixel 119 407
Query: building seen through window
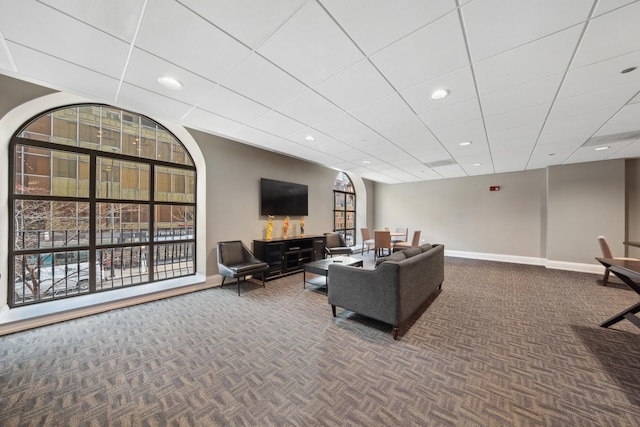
pixel 102 199
pixel 344 208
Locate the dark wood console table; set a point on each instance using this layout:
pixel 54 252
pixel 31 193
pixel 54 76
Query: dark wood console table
pixel 629 272
pixel 288 256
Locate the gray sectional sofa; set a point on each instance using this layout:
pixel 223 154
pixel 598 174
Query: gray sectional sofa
pixel 390 293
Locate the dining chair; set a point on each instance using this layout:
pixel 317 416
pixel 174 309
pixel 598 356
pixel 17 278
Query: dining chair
pixel 401 238
pixel 606 253
pixel 366 239
pixel 415 242
pixel 381 241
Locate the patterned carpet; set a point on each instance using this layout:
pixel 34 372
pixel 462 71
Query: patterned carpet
pixel 501 344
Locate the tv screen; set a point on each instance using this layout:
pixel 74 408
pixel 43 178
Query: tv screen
pixel 283 198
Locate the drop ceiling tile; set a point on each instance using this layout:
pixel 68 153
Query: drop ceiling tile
pixel 276 124
pixel 460 83
pixel 516 118
pixel 509 161
pixel 534 61
pixel 449 115
pixel 209 122
pixel 468 131
pixel 60 36
pixel 404 68
pixel 625 120
pixel 391 22
pixel 600 99
pixel 59 74
pixel 350 130
pixel 522 137
pixel 391 117
pixel 609 35
pixel 232 105
pixel 311 46
pixel 170 30
pixel 417 140
pixel 263 82
pixel 564 138
pixel 253 136
pixel 309 108
pixel 600 75
pixel 488 22
pixel 6 60
pixel 146 102
pixel 603 7
pixel 116 17
pixel 144 69
pixel 538 92
pixel 588 154
pixel 631 150
pixel 249 21
pixel 300 136
pixel 453 171
pixel 589 122
pixel 356 86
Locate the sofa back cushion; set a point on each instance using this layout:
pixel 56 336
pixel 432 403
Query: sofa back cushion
pixel 425 247
pixel 409 252
pixel 396 256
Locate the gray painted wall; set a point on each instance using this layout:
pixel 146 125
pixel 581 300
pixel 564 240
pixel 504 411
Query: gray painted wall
pixel 585 200
pixel 465 216
pixel 233 192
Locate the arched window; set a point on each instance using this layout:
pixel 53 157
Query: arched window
pixel 344 208
pixel 101 199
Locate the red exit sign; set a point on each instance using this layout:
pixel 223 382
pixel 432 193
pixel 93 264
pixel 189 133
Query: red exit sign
pixel 494 188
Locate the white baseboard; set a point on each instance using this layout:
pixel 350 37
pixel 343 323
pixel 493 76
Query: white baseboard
pixel 557 265
pixel 496 257
pixel 575 266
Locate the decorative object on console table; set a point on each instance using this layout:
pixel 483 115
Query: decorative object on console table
pixel 269 227
pixel 285 227
pixel 302 227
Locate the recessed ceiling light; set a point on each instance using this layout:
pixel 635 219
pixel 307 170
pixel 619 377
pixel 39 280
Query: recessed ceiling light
pixel 366 162
pixel 170 82
pixel 465 143
pixel 477 164
pixel 309 138
pixel 628 70
pixel 440 93
pixel 602 148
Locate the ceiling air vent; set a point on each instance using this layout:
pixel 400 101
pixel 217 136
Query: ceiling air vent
pixel 440 163
pixel 612 138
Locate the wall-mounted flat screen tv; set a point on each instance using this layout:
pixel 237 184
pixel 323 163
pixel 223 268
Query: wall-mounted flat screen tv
pixel 283 198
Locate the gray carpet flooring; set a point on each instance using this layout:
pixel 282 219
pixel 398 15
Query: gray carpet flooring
pixel 500 344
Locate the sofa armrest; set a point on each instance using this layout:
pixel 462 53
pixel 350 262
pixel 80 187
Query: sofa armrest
pixel 372 293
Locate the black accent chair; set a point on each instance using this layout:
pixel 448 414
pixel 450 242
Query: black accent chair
pixel 235 260
pixel 335 245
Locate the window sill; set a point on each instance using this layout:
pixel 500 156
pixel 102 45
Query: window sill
pixel 32 316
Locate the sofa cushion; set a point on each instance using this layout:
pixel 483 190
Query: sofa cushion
pixel 425 247
pixel 396 256
pixel 409 252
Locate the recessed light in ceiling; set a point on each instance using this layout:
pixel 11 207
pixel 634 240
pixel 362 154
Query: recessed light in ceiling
pixel 309 138
pixel 465 143
pixel 170 82
pixel 602 148
pixel 440 93
pixel 477 164
pixel 628 70
pixel 366 162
